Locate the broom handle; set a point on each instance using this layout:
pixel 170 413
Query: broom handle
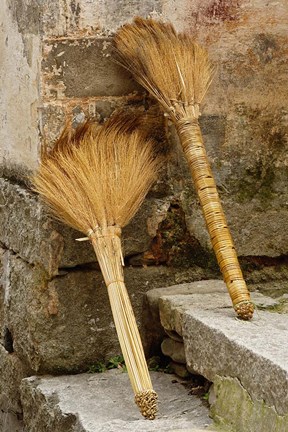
pixel 193 147
pixel 132 349
pixel 107 246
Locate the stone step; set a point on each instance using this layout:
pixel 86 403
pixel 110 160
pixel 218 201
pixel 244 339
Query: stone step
pixel 104 403
pixel 246 361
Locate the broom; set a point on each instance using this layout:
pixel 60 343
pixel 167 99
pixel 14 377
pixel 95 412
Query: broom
pixel 177 72
pixel 95 180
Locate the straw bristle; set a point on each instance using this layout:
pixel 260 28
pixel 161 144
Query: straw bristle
pixel 149 49
pixel 98 175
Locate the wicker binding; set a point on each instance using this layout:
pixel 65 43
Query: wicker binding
pixel 194 150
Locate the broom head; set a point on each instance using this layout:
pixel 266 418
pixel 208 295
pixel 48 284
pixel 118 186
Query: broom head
pixel 150 48
pixel 98 176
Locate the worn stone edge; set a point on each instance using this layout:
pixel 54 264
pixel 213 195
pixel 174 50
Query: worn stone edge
pixel 233 407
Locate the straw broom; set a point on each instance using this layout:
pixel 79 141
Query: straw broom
pixel 95 180
pixel 177 72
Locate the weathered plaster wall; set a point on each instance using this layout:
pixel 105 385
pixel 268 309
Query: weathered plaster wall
pixel 19 102
pixel 56 63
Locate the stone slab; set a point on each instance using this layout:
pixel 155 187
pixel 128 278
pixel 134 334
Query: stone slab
pixel 104 403
pixel 218 344
pixel 209 294
pixel 256 352
pixel 233 408
pixel 153 327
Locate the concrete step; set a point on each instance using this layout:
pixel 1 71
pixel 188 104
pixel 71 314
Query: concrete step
pixel 104 403
pixel 247 361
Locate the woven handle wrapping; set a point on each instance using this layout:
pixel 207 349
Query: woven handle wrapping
pixel 192 143
pixel 107 246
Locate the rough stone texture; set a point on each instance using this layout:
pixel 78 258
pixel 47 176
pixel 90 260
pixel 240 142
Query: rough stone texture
pixel 27 229
pixel 217 343
pixel 154 329
pixel 105 403
pixel 179 369
pixel 255 352
pixel 174 349
pixel 65 323
pixel 233 407
pixel 82 17
pixel 207 294
pixel 12 371
pixel 172 307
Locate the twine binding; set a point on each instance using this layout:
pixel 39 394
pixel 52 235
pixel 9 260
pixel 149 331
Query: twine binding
pixel 192 143
pixel 147 403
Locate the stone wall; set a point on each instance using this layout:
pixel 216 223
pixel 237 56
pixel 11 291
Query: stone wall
pixel 56 63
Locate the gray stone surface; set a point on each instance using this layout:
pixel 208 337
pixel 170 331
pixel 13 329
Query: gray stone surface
pixel 12 371
pixel 26 229
pixel 256 352
pixel 86 18
pixel 217 343
pixel 65 323
pixel 154 328
pixel 174 349
pixel 104 403
pixel 210 294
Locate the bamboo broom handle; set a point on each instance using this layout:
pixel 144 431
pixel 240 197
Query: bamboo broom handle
pixel 193 147
pixel 107 246
pixel 131 346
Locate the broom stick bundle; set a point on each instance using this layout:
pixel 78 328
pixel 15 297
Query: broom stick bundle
pixel 177 72
pixel 94 180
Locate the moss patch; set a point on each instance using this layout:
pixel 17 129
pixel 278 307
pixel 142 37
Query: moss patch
pixel 235 410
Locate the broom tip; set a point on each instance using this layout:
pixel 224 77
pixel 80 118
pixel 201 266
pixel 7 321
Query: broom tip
pixel 147 403
pixel 244 310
